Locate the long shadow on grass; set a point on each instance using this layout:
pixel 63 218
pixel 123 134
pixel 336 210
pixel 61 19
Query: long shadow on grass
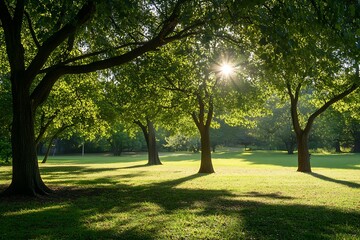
pixel 73 170
pixel 342 182
pixel 136 166
pixel 164 210
pixel 340 161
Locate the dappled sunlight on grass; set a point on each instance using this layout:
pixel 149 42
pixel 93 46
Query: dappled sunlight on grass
pixel 270 159
pixel 32 211
pixel 251 196
pixel 247 153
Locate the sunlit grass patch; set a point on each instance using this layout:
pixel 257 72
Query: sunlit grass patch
pixel 251 196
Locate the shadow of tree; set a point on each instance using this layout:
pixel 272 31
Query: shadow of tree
pixel 73 170
pixel 135 166
pixel 70 213
pixel 267 195
pixel 329 179
pixel 344 161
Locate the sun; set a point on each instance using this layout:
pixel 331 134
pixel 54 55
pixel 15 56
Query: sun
pixel 226 69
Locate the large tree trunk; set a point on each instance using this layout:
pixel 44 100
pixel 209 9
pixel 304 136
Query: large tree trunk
pixel 303 153
pixel 26 179
pixel 206 162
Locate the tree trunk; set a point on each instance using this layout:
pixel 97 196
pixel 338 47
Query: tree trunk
pixel 48 149
pixel 290 146
pixel 213 147
pixel 303 153
pixel 47 152
pixel 206 162
pixel 150 138
pixel 337 146
pixel 26 179
pixel 356 148
pixel 58 132
pixel 153 155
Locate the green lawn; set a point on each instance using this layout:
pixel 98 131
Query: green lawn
pixel 252 195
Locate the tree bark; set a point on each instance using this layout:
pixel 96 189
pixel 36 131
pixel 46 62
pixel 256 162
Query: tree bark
pixel 153 154
pixel 206 165
pixel 150 138
pixel 303 153
pixel 26 178
pixel 203 121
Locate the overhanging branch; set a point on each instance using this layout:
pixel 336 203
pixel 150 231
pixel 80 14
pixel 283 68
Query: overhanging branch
pixel 327 104
pixel 32 32
pixel 57 38
pixel 88 55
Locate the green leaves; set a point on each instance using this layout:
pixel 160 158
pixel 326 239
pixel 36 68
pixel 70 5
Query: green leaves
pixel 73 107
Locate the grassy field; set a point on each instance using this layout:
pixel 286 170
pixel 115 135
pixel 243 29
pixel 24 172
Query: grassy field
pixel 252 195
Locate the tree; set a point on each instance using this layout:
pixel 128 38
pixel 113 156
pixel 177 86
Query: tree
pixel 181 142
pixel 275 128
pixel 198 86
pixel 41 48
pixel 138 101
pixel 332 129
pixel 150 138
pixel 307 48
pixel 121 141
pixel 72 107
pixel 350 109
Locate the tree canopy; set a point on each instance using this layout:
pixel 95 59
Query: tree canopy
pixel 158 63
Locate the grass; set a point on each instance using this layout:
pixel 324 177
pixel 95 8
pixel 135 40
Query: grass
pixel 252 195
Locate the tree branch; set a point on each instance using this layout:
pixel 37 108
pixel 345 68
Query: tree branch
pixel 45 126
pixel 326 105
pixel 293 108
pixel 57 38
pixel 210 112
pixel 32 32
pixel 18 16
pixel 201 110
pixel 88 55
pixel 158 41
pixel 196 120
pixel 60 19
pixel 5 16
pixel 41 92
pixel 144 129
